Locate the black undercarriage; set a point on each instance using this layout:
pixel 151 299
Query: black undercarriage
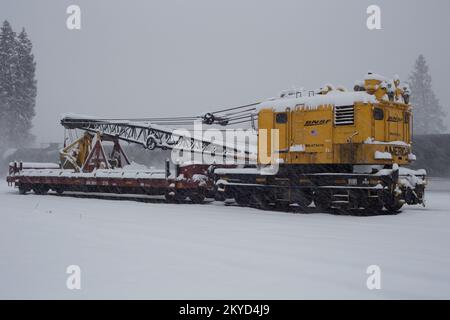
pixel 327 187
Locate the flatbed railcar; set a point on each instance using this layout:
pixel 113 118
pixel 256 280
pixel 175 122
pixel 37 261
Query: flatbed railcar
pixel 191 182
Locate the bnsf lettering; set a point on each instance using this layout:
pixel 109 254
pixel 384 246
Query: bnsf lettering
pixel 394 119
pixel 311 123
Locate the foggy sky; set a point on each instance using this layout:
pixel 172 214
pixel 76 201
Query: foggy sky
pixel 139 58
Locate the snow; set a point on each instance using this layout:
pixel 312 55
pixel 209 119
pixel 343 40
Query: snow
pixel 225 171
pixel 411 178
pixel 180 177
pixel 374 76
pixel 405 172
pixel 120 173
pixel 128 249
pixel 382 155
pixel 335 98
pixel 297 148
pixel 190 163
pixel 71 115
pixel 200 178
pixel 134 166
pixel 397 143
pixel 37 165
pixel 100 173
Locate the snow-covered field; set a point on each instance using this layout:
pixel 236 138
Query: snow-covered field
pixel 128 249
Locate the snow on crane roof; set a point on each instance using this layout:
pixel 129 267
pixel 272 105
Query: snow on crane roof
pixel 335 98
pixel 374 76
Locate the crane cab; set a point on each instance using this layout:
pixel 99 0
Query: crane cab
pixel 364 127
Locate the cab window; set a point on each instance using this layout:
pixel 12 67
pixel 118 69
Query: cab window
pixel 281 118
pixel 378 114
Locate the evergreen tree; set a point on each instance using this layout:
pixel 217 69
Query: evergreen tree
pixel 25 89
pixel 17 87
pixel 428 113
pixel 8 71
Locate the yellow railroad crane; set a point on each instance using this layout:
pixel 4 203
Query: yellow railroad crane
pixel 335 148
pixel 339 149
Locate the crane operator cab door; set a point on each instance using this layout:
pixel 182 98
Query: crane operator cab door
pixel 379 123
pixel 281 125
pixel 272 136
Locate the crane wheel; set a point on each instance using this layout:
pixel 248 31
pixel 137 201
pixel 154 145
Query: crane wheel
pixel 303 198
pixel 23 190
pixel 393 204
pixel 374 205
pixel 283 205
pixel 322 199
pixel 260 200
pixel 242 199
pixel 197 198
pixel 219 196
pixel 173 196
pixel 393 208
pixel 40 190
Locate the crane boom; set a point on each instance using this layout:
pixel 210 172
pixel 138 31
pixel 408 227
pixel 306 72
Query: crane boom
pixel 152 136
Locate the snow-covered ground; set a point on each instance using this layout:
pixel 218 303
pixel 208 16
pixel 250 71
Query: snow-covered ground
pixel 128 249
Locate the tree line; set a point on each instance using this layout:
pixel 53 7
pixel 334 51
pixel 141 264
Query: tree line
pixel 17 88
